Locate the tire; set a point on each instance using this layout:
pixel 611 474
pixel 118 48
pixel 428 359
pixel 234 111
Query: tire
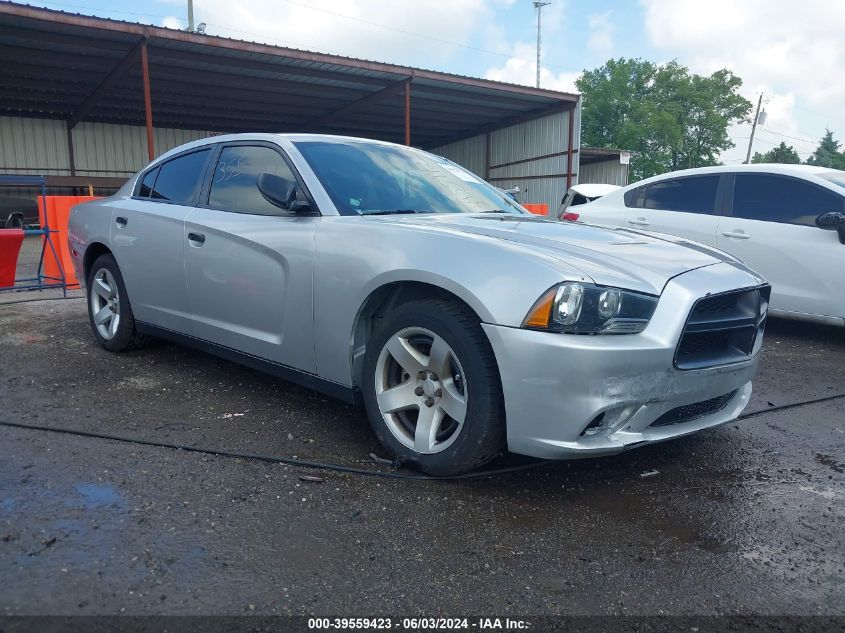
pixel 461 376
pixel 109 310
pixel 16 222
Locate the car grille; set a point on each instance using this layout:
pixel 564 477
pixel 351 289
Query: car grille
pixel 722 329
pixel 693 411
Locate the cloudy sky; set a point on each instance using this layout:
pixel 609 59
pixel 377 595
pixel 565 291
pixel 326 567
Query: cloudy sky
pixel 793 52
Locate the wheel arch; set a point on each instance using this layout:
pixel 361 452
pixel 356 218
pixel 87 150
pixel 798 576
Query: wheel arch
pixel 388 296
pixel 92 252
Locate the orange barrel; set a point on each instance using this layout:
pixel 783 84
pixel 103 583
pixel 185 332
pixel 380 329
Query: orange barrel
pixel 537 208
pixel 58 213
pixel 10 247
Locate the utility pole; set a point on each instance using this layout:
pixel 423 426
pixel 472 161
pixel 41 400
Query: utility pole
pixel 539 6
pixel 753 129
pixel 191 16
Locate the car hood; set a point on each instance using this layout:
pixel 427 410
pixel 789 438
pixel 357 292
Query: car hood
pixel 609 256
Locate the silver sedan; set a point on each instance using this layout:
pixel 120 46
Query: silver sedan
pixel 385 275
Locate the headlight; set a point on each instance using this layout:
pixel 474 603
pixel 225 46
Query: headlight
pixel 577 308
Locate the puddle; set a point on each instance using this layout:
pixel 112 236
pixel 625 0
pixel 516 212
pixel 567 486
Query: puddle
pixel 96 496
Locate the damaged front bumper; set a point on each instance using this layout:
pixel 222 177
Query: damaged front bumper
pixel 574 395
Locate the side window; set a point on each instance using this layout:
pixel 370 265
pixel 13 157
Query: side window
pixel 694 194
pixel 781 199
pixel 179 180
pixel 632 196
pixel 147 182
pixel 235 184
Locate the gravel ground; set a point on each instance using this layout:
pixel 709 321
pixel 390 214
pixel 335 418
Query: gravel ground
pixel 747 518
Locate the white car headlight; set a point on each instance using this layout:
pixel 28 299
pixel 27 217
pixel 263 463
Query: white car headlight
pixel 577 308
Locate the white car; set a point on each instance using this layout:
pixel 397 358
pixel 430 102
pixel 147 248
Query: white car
pixel 582 194
pixel 786 222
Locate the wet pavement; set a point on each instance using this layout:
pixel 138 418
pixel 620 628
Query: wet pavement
pixel 747 518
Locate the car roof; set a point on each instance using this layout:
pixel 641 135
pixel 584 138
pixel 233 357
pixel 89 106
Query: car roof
pixel 264 136
pixel 768 168
pixel 593 190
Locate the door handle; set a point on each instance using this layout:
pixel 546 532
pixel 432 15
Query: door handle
pixel 121 222
pixel 639 222
pixel 738 234
pixel 196 239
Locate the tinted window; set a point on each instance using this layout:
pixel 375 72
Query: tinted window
pixel 146 187
pixel 632 196
pixel 179 180
pixel 235 184
pixel 578 199
pixel 696 194
pixel 780 199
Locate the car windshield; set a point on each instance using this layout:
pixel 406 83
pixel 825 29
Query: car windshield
pixel 373 179
pixel 836 179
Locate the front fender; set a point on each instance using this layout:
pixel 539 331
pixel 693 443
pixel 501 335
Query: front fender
pixel 354 257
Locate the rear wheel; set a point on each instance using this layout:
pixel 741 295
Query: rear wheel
pixel 432 388
pixel 109 311
pixel 16 222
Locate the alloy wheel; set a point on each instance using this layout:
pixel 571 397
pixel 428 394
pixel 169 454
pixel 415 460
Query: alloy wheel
pixel 105 303
pixel 421 390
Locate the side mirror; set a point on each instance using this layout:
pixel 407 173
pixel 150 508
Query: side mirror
pixel 833 221
pixel 281 192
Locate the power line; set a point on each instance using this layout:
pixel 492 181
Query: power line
pixel 794 138
pixel 271 38
pixel 423 36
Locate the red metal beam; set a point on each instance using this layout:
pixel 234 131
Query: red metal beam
pixel 371 98
pixel 117 73
pixel 148 103
pixel 407 112
pixel 569 151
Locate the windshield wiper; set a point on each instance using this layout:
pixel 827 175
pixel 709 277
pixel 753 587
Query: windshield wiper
pixel 393 211
pixel 497 211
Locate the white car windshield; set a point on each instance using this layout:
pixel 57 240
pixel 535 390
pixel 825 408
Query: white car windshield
pixel 836 179
pixel 372 179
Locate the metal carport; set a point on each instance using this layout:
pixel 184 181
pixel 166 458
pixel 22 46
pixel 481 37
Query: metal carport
pixel 78 69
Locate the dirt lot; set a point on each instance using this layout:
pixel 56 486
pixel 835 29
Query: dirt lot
pixel 747 518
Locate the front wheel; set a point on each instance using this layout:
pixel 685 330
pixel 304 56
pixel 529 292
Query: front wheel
pixel 432 388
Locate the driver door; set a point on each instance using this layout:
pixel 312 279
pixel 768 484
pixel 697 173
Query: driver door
pixel 249 263
pixel 771 228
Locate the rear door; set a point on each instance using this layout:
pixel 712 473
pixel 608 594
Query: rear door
pixel 684 207
pixel 771 227
pixel 249 263
pixel 147 239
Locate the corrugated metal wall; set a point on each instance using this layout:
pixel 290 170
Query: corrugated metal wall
pixel 39 146
pixel 519 156
pixel 608 172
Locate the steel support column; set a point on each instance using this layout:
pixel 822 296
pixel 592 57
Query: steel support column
pixel 71 158
pixel 148 104
pixel 407 112
pixel 569 152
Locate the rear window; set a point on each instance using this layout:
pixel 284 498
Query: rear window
pixel 179 180
pixel 695 194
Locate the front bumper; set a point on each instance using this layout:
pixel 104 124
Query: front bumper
pixel 556 385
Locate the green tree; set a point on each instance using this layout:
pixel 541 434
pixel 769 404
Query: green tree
pixel 783 153
pixel 667 116
pixel 827 154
